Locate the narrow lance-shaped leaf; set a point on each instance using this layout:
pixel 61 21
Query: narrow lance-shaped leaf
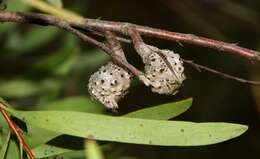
pixel 162 112
pixel 38 136
pixel 131 130
pixel 4 145
pixel 48 150
pixel 76 103
pixel 13 150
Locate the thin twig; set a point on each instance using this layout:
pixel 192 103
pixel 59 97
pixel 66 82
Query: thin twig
pixel 101 25
pixel 44 19
pixel 173 36
pixel 137 39
pixel 101 34
pixel 115 46
pixel 201 67
pixel 110 51
pixel 15 129
pixel 119 54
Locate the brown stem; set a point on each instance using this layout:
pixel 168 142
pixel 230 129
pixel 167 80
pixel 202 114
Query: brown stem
pixel 120 27
pixel 137 39
pixel 119 54
pixel 15 129
pixel 232 48
pixel 101 34
pixel 115 45
pixel 101 25
pixel 134 34
pixel 199 67
pixel 43 19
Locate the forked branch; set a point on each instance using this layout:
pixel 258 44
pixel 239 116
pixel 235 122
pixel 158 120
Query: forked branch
pixel 100 27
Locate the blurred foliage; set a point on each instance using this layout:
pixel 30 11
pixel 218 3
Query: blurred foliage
pixel 46 69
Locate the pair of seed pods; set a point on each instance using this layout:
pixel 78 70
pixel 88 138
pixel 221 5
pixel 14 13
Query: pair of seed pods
pixel 163 68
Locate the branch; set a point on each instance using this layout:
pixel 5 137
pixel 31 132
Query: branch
pixel 43 19
pixel 119 54
pixel 199 67
pixel 137 39
pixel 100 26
pixel 15 129
pixel 173 36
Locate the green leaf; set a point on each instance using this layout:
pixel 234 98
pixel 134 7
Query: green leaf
pixel 60 62
pixel 162 112
pixel 91 60
pixel 84 104
pixel 77 103
pixel 131 130
pixel 46 150
pixel 5 103
pixel 92 150
pixel 56 3
pixel 3 122
pixel 36 37
pixel 79 154
pixel 4 27
pixel 21 151
pixel 49 150
pixel 13 150
pixel 38 136
pixel 18 88
pixel 4 145
pixel 14 5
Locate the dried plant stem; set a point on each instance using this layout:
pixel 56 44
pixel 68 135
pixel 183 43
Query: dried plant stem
pixel 115 46
pixel 199 67
pixel 15 129
pixel 232 48
pixel 101 25
pixel 104 26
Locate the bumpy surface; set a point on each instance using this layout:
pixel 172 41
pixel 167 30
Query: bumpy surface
pixel 164 69
pixel 109 84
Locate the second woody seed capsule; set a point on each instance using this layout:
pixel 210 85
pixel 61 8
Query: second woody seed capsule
pixel 163 68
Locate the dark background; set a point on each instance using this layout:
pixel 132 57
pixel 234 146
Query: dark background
pixel 215 98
